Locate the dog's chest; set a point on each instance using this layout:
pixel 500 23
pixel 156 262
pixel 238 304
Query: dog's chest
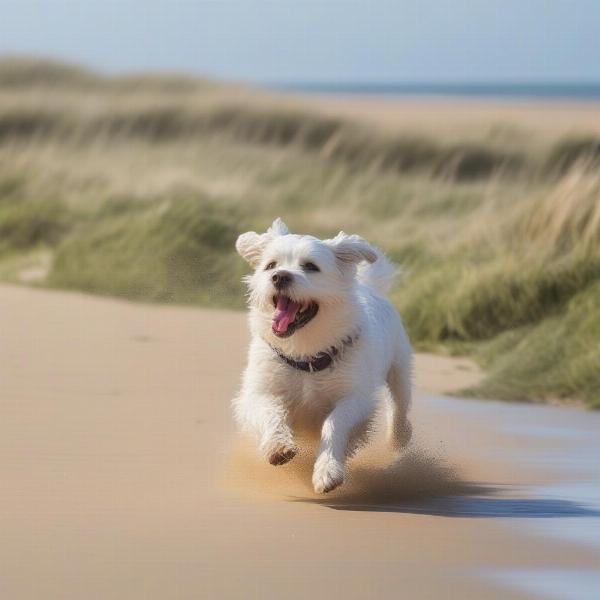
pixel 316 392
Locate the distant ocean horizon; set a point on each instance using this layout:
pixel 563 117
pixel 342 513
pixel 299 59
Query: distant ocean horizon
pixel 585 91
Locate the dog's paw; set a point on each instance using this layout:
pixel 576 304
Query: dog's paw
pixel 327 475
pixel 281 455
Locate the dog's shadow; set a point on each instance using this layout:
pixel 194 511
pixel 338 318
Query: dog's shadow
pixel 420 484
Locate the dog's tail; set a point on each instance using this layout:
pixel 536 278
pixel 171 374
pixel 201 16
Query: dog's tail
pixel 380 274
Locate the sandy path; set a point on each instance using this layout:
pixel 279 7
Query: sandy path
pixel 122 477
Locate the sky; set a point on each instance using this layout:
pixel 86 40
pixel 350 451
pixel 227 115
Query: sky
pixel 316 41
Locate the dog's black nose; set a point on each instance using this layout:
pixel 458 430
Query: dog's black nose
pixel 281 279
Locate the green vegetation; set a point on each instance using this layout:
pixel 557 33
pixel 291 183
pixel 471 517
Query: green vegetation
pixel 138 186
pixel 167 250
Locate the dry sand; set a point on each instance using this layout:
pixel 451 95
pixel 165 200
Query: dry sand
pixel 444 374
pixel 462 118
pixel 123 478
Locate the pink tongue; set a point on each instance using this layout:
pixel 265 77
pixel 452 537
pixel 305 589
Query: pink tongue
pixel 285 313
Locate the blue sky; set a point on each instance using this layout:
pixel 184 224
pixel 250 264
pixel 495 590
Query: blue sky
pixel 306 40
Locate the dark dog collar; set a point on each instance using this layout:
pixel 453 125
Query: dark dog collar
pixel 320 361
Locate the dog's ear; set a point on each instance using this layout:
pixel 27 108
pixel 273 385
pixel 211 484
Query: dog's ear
pixel 278 227
pixel 250 246
pixel 352 249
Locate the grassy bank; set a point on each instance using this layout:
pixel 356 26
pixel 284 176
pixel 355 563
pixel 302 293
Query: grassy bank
pixel 138 187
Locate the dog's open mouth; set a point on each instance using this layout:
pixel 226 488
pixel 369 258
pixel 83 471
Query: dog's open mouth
pixel 290 315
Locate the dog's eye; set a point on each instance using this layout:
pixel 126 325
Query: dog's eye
pixel 271 265
pixel 310 267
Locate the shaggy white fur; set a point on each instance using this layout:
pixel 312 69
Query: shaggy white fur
pixel 344 280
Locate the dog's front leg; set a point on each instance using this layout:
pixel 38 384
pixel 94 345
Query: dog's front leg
pixel 265 416
pixel 330 466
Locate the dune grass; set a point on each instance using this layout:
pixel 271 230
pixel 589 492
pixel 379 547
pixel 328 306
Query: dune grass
pixel 137 187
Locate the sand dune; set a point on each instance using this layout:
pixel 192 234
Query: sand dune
pixel 123 477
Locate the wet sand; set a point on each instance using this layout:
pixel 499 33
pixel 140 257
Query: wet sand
pixel 123 477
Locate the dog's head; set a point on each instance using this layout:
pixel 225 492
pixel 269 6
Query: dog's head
pixel 301 291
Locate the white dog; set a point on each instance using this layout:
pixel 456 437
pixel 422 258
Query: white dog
pixel 327 347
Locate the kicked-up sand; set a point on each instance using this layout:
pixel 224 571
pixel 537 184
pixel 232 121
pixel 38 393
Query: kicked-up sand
pixel 123 478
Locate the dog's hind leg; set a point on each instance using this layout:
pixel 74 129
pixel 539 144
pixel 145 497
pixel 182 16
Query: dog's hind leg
pixel 399 383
